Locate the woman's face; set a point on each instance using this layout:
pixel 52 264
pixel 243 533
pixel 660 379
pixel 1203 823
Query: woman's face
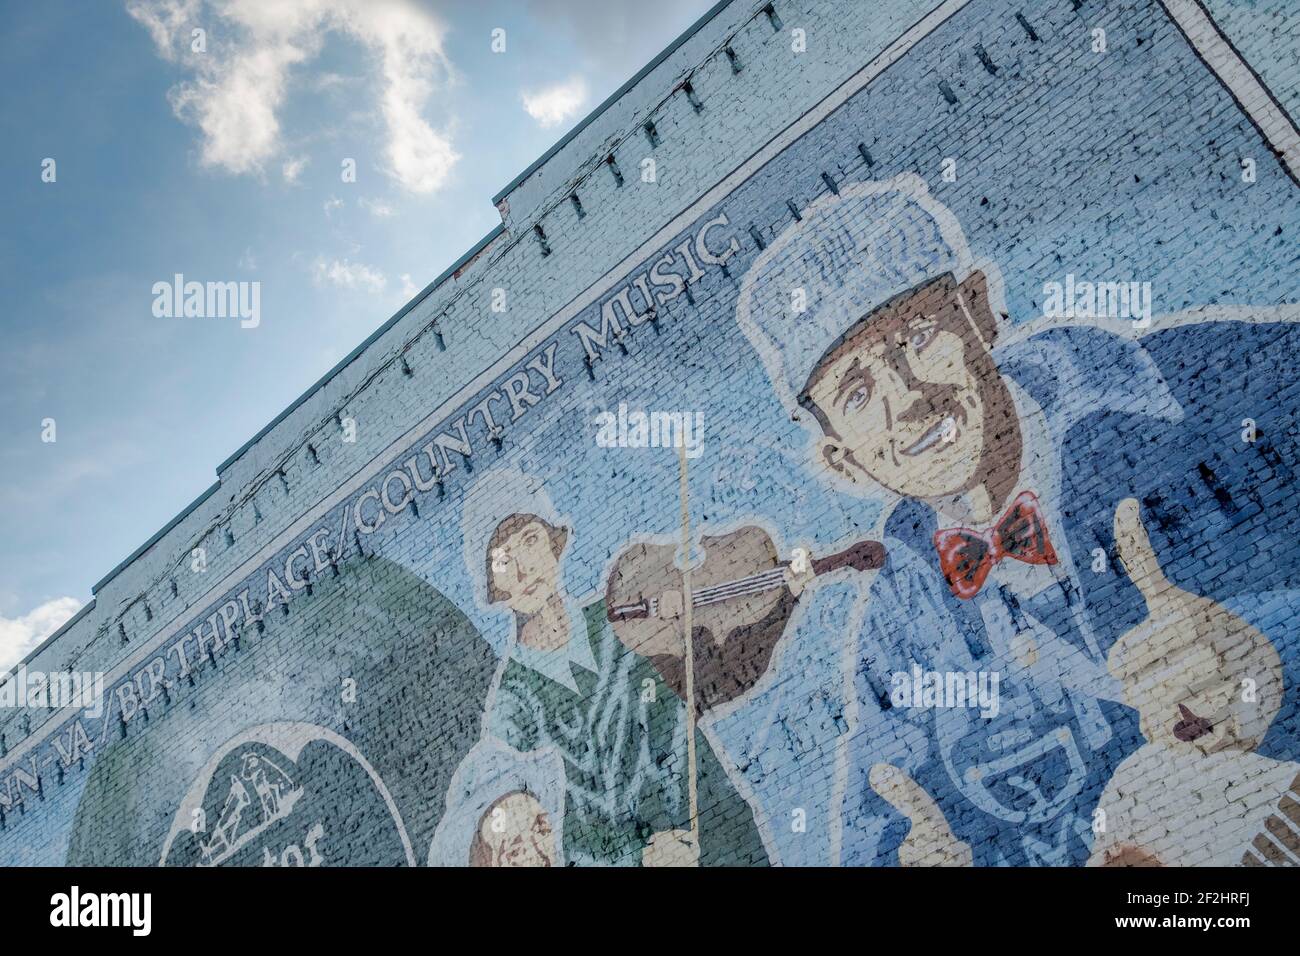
pixel 525 569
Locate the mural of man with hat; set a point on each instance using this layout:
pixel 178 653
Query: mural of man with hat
pixel 1006 451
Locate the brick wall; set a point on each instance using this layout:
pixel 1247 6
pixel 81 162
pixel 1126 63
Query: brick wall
pixel 1040 248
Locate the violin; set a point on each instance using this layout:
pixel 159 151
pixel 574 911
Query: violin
pixel 740 604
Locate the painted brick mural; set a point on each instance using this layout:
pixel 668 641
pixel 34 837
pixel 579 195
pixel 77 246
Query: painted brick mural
pixel 920 489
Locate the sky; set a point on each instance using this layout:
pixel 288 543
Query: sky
pixel 136 149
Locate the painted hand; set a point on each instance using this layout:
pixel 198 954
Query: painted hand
pixel 1185 666
pixel 796 581
pixel 930 841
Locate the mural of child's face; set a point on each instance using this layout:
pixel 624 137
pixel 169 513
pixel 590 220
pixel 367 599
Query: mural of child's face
pixel 525 568
pixel 903 400
pixel 517 832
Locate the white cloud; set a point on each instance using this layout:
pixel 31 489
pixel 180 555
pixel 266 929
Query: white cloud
pixel 409 288
pixel 330 81
pixel 240 83
pixel 348 275
pixel 334 202
pixel 553 105
pixel 293 168
pixel 20 635
pixel 378 208
pixel 168 21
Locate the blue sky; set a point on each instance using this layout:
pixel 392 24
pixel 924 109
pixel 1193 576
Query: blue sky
pixel 224 164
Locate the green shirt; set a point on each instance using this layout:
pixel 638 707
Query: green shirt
pixel 622 734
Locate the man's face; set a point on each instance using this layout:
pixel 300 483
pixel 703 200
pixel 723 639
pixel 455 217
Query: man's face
pixel 525 569
pixel 904 398
pixel 518 833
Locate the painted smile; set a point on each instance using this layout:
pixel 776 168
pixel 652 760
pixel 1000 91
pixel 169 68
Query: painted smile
pixel 943 430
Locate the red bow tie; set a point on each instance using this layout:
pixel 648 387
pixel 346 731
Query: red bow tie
pixel 967 556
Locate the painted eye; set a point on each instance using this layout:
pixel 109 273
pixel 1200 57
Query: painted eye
pixel 857 398
pixel 920 336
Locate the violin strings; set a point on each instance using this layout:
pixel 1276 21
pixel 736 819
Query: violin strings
pixel 756 584
pixel 764 580
pixel 753 585
pixel 776 574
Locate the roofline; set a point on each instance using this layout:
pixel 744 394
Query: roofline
pixel 370 340
pixel 406 309
pixel 94 588
pixel 611 99
pixel 65 626
pixel 319 384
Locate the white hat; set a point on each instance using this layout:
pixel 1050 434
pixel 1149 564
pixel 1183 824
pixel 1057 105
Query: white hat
pixel 848 254
pixel 497 495
pixel 489 772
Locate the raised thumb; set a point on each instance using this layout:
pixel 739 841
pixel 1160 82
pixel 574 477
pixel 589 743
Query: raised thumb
pixel 1137 554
